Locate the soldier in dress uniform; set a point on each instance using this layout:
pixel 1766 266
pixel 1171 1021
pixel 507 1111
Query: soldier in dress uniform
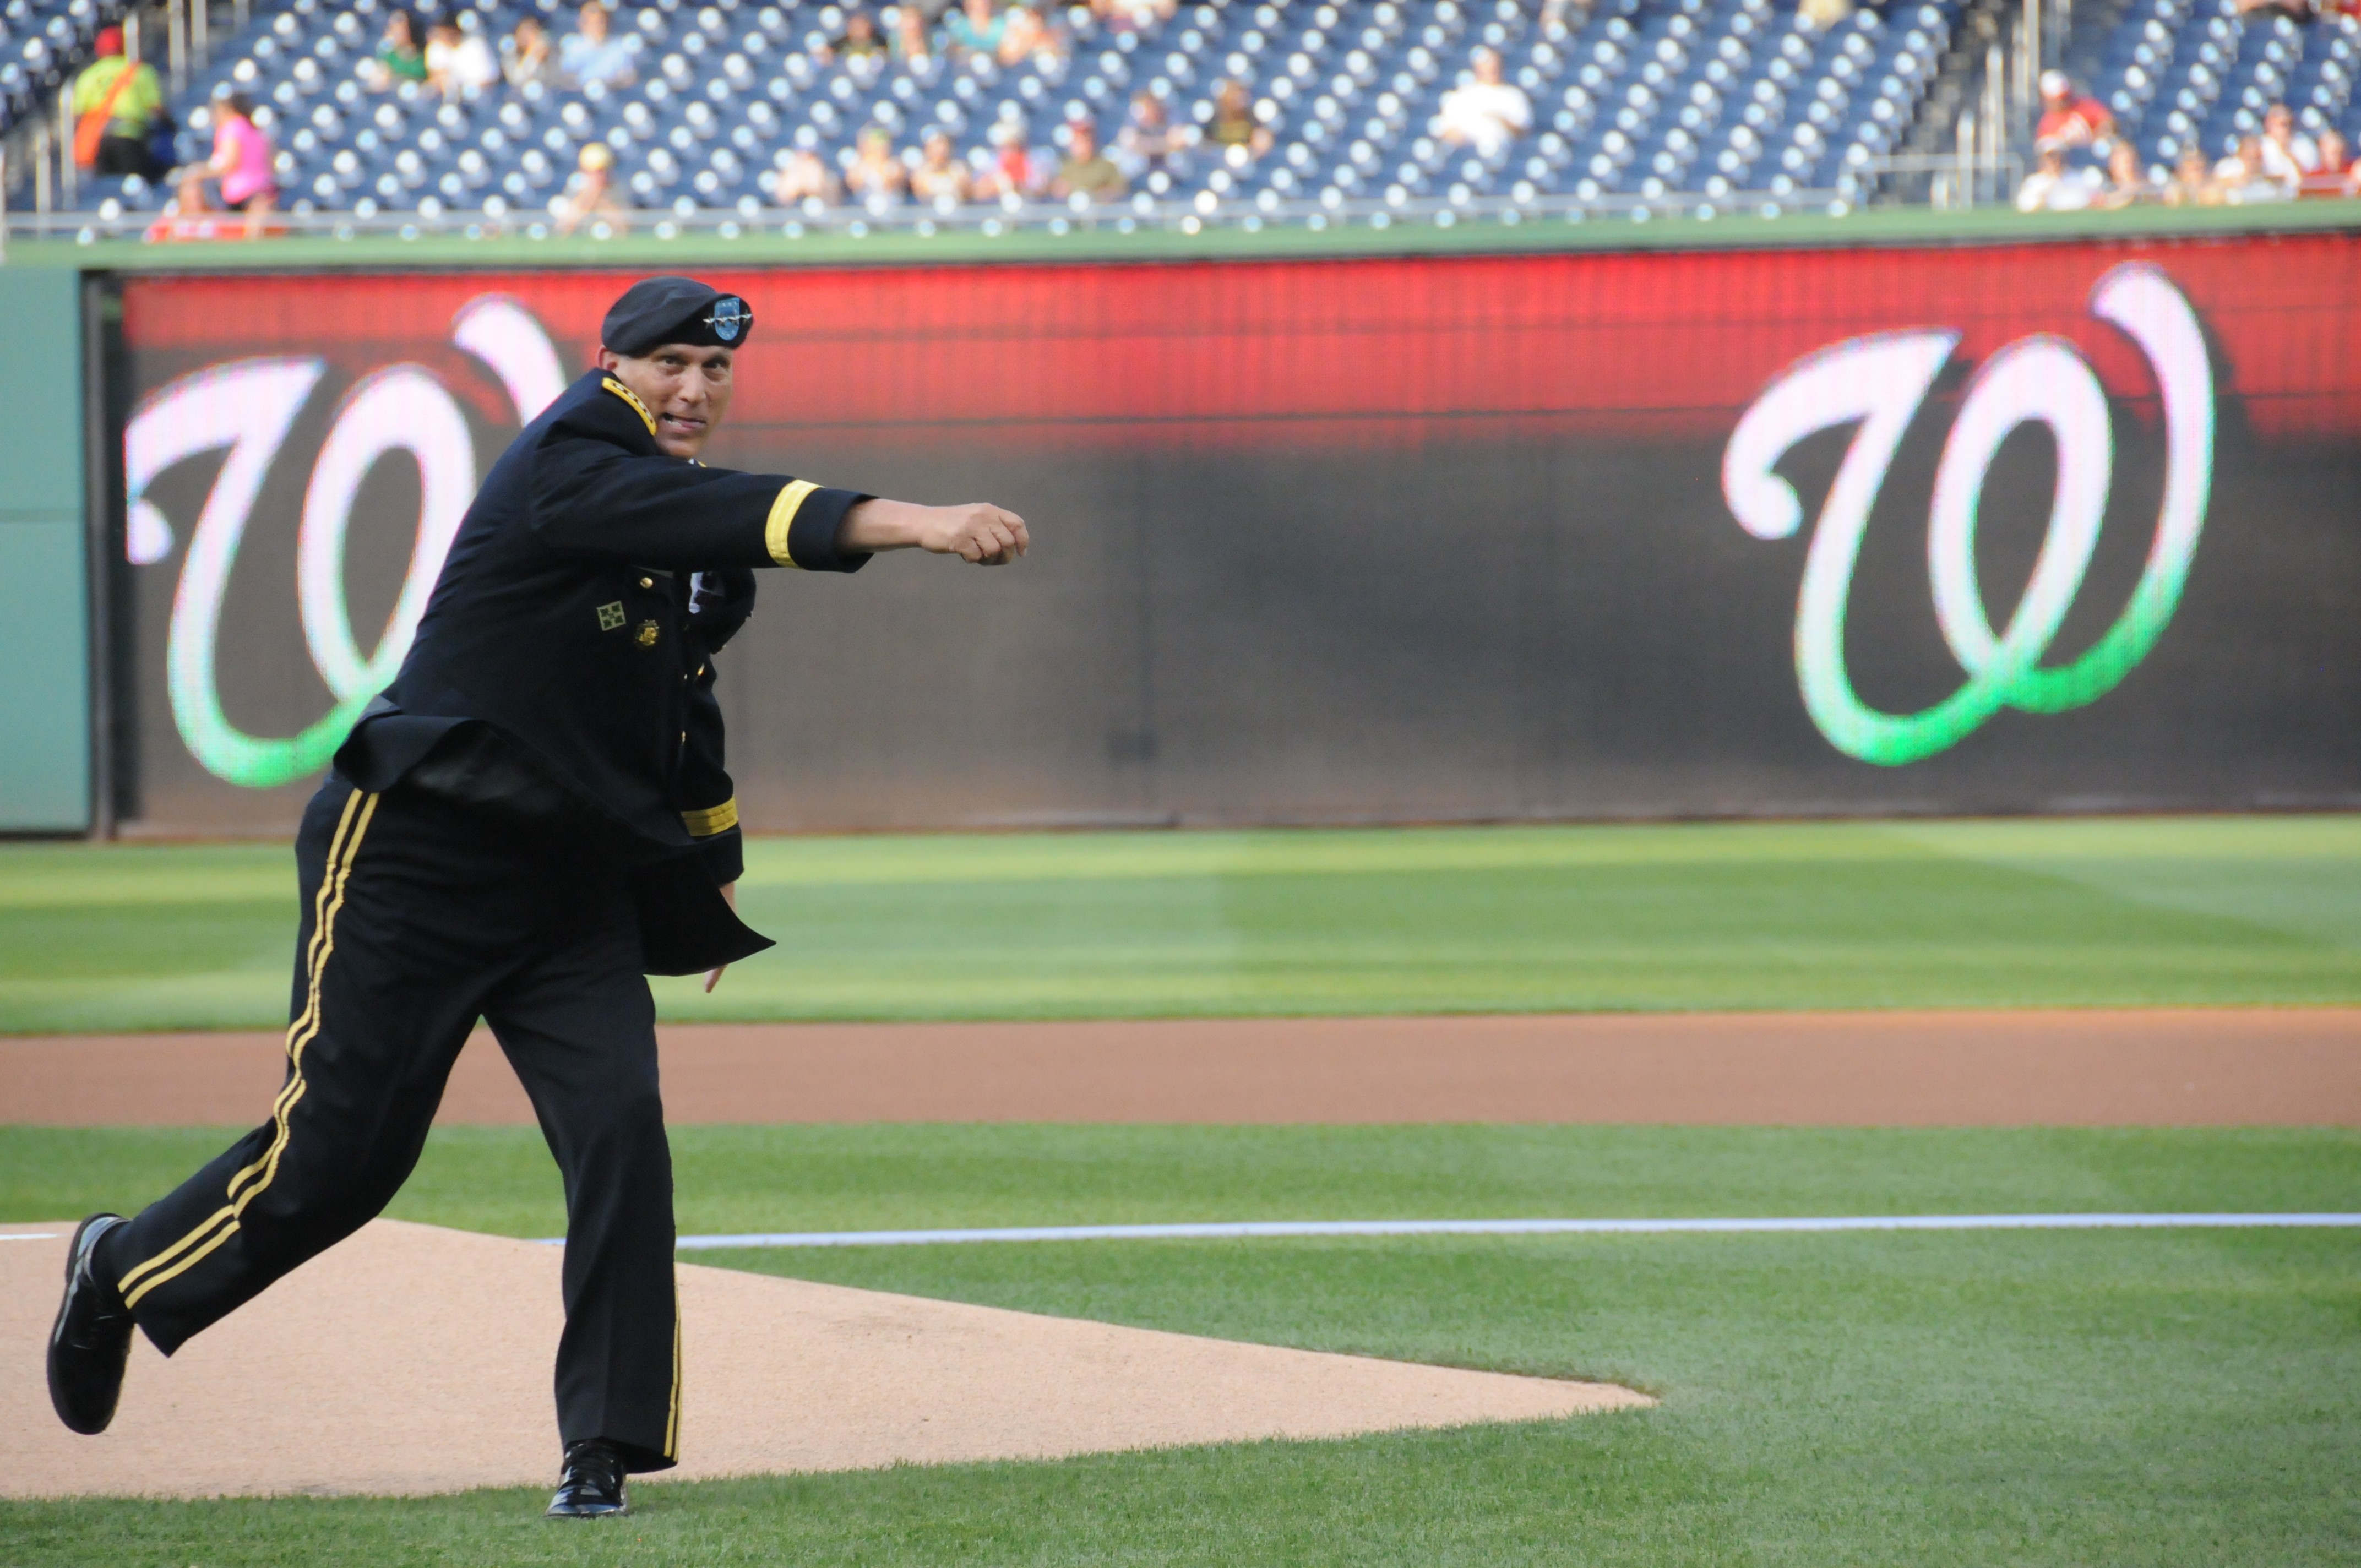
pixel 533 816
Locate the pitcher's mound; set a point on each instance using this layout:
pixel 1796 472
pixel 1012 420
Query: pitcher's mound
pixel 417 1359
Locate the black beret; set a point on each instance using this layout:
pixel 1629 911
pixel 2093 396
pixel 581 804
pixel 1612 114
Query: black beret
pixel 656 310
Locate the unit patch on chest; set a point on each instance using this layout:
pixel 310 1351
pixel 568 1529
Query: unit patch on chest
pixel 611 616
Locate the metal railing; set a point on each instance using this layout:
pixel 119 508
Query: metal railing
pixel 987 220
pixel 1976 175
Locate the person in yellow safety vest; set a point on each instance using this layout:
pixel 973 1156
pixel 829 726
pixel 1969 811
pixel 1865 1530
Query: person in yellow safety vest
pixel 117 104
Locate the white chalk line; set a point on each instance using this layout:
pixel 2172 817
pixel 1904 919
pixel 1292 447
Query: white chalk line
pixel 1247 1229
pixel 30 1236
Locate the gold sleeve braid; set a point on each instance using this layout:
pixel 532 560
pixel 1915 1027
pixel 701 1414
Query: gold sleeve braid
pixel 713 819
pixel 782 518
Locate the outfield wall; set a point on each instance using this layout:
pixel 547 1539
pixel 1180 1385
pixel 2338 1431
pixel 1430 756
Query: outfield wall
pixel 1338 540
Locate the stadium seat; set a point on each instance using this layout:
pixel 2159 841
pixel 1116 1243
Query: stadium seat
pixel 1680 100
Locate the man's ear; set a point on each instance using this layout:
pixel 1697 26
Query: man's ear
pixel 608 360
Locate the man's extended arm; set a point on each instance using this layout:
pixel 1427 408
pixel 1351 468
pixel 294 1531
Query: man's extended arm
pixel 593 498
pixel 974 531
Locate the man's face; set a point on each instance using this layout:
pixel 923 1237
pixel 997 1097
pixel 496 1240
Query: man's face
pixel 686 386
pixel 1085 143
pixel 1487 67
pixel 594 22
pixel 2279 124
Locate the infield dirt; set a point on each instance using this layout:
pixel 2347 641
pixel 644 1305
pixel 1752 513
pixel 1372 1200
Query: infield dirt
pixel 413 1359
pixel 2091 1067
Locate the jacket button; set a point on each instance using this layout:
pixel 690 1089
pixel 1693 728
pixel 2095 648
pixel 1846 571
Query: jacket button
pixel 647 582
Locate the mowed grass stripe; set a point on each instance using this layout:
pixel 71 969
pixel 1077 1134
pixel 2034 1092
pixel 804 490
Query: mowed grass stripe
pixel 2053 912
pixel 909 1176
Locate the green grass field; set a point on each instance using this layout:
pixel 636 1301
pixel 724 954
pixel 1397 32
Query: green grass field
pixel 2164 1397
pixel 2073 1398
pixel 2108 912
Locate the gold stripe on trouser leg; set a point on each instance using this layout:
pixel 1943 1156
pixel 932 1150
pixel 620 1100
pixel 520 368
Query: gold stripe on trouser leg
pixel 223 1224
pixel 303 1021
pixel 672 1420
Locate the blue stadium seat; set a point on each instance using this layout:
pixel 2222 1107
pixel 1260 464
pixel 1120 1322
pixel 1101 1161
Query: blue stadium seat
pixel 1646 99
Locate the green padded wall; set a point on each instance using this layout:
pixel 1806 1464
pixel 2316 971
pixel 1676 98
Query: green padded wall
pixel 45 678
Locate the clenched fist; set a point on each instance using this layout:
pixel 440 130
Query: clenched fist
pixel 977 532
pixel 974 531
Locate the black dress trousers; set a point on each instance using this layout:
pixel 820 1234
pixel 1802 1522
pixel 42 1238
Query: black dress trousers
pixel 420 916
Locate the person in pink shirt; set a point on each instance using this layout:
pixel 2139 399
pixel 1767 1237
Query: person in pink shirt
pixel 241 162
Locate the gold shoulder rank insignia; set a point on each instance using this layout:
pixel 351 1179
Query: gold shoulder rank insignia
pixel 647 635
pixel 632 398
pixel 611 616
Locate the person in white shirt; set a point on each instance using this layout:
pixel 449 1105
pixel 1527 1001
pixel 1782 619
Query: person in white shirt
pixel 2054 188
pixel 1485 114
pixel 458 65
pixel 2288 156
pixel 2245 177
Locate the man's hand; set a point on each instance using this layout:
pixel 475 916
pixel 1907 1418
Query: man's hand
pixel 713 975
pixel 977 532
pixel 974 531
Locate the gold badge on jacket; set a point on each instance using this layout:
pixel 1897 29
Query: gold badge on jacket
pixel 647 635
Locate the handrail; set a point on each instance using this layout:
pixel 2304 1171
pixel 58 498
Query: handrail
pixel 1185 217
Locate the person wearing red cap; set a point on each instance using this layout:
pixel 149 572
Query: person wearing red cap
pixel 117 103
pixel 2069 118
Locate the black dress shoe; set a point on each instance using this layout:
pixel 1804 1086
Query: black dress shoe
pixel 92 1336
pixel 591 1484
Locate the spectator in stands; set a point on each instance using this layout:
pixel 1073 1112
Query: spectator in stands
pixel 527 56
pixel 940 178
pixel 2245 180
pixel 1133 16
pixel 241 163
pixel 116 105
pixel 860 42
pixel 1236 132
pixel 591 54
pixel 2052 187
pixel 399 58
pixel 2293 10
pixel 459 64
pixel 876 178
pixel 2335 177
pixel 1485 112
pixel 2127 183
pixel 976 29
pixel 1087 172
pixel 2191 184
pixel 914 43
pixel 1147 140
pixel 2288 154
pixel 2070 119
pixel 1015 171
pixel 805 178
pixel 1024 34
pixel 591 196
